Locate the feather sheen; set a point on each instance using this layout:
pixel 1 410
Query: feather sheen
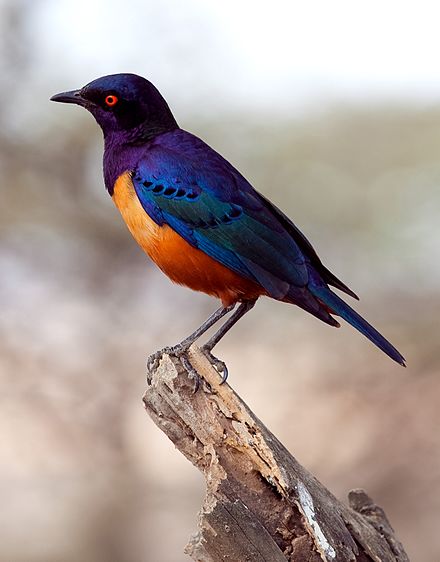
pixel 180 261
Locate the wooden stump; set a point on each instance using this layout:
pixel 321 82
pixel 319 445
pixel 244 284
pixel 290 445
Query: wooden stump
pixel 261 505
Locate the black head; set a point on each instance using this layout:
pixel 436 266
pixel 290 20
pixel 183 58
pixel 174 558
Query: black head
pixel 124 103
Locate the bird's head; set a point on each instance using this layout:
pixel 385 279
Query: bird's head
pixel 123 103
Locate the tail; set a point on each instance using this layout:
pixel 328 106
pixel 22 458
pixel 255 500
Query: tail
pixel 337 306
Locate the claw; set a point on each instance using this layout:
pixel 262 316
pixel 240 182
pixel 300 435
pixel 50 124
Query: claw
pixel 219 365
pixel 154 360
pixel 192 373
pixel 225 373
pixel 179 351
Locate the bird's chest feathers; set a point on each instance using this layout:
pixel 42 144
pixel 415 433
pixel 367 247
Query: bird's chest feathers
pixel 145 231
pixel 175 256
pixel 164 246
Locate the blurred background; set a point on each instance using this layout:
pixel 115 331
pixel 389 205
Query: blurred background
pixel 332 109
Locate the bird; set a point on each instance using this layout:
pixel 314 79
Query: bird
pixel 201 221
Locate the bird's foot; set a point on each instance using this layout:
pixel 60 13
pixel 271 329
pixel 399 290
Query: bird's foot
pixel 180 352
pixel 154 359
pixel 192 373
pixel 219 365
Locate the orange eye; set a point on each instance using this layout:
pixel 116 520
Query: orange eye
pixel 111 100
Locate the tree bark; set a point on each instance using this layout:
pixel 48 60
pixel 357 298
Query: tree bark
pixel 261 505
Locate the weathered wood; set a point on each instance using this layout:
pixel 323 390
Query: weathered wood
pixel 261 505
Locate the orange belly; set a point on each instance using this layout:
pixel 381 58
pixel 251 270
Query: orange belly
pixel 181 262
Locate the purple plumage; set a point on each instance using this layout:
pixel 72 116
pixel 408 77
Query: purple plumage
pixel 184 185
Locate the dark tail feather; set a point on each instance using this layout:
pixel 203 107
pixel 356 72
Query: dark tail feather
pixel 302 297
pixel 342 309
pixel 331 279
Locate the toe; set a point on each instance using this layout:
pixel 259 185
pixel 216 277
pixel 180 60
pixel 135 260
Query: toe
pixel 220 366
pixel 191 372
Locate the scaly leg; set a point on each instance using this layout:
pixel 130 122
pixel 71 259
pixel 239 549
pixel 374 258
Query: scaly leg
pixel 181 348
pixel 208 347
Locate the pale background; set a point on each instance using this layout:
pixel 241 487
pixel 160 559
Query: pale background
pixel 330 108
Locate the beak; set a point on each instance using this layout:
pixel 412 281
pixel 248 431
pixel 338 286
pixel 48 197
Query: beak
pixel 74 96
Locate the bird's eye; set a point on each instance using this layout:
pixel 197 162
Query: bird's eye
pixel 111 100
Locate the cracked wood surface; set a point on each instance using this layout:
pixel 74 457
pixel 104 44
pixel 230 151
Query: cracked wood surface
pixel 261 505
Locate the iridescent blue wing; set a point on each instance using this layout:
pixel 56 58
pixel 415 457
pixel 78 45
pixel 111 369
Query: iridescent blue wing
pixel 214 213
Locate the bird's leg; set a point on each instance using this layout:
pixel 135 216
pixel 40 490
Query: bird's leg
pixel 209 345
pixel 221 332
pixel 181 348
pixel 213 319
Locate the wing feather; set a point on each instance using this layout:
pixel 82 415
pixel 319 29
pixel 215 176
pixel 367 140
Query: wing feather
pixel 236 230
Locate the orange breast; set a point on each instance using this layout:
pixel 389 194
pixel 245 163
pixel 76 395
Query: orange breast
pixel 181 262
